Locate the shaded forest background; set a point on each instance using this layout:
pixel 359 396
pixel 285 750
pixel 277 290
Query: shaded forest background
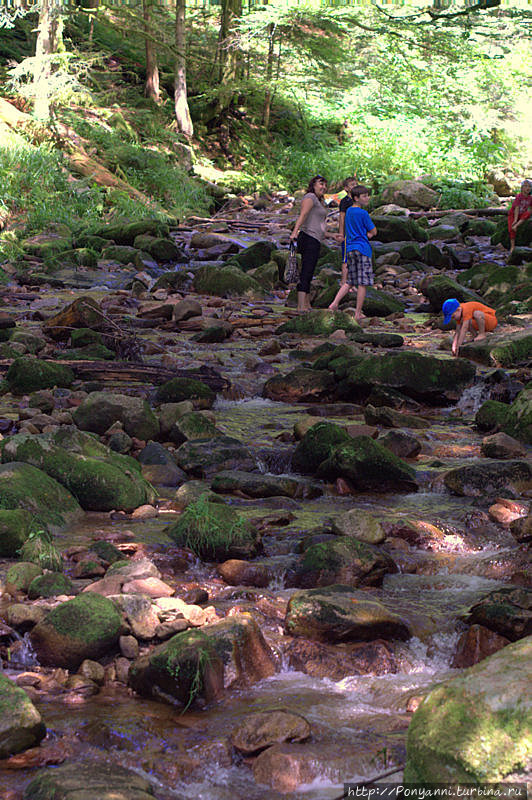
pixel 276 92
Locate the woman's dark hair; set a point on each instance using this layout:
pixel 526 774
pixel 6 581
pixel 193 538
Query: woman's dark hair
pixel 356 191
pixel 310 187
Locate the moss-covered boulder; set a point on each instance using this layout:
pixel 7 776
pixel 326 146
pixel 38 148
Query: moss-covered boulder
pixel 82 337
pixel 428 378
pixel 319 323
pixel 32 343
pixel 19 576
pixel 439 288
pixel 160 248
pixel 99 479
pixel 15 526
pixel 214 531
pixel 398 229
pixel 368 466
pixel 515 420
pixel 302 385
pixel 51 584
pixel 27 374
pixel 101 409
pixel 183 668
pixel 86 627
pixel 225 282
pixel 523 236
pixel 258 484
pixel 376 304
pixel 340 613
pixel 21 725
pixel 432 255
pixel 489 478
pixel 94 780
pixel 475 728
pixel 267 275
pixel 45 245
pixel 190 426
pixel 205 662
pixel 506 611
pixel 344 560
pixel 84 312
pixel 245 654
pixel 255 255
pixel 501 350
pixel 23 486
pixel 317 445
pixel 522 410
pixel 178 389
pixel 204 457
pixel 122 253
pixel 493 415
pixel 127 232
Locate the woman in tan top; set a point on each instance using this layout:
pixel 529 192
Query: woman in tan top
pixel 309 231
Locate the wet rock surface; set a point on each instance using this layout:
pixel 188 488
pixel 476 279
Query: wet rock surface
pixel 267 457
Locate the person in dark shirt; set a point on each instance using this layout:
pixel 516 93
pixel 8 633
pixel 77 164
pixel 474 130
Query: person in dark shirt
pixel 345 203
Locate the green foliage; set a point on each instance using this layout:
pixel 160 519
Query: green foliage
pixel 39 549
pixel 208 528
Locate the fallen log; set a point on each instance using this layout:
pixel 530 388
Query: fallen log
pixel 473 212
pixel 131 371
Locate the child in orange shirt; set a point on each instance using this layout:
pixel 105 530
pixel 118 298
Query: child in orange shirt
pixel 470 316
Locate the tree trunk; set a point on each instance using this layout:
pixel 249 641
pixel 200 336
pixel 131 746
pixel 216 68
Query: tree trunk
pixel 269 73
pixel 229 52
pixel 182 112
pixel 151 88
pixel 49 40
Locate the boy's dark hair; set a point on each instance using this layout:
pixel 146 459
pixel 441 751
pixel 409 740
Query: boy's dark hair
pixel 356 191
pixel 347 181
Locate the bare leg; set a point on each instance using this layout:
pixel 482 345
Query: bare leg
pixel 361 296
pixel 481 322
pixel 301 302
pixel 512 243
pixel 342 291
pixel 307 302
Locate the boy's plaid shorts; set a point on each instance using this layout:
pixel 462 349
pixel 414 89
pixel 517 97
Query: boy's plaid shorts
pixel 359 269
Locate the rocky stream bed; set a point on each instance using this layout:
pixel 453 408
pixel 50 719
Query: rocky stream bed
pixel 245 553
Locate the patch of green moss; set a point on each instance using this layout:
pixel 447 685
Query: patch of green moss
pixel 50 584
pixel 28 374
pixel 213 531
pixel 317 445
pixel 15 526
pixel 25 486
pixel 319 323
pixel 88 617
pixel 178 389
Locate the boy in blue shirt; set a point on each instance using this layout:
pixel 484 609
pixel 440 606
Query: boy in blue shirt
pixel 359 229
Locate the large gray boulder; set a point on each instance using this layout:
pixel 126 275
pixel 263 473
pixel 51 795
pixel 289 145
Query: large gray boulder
pixel 410 194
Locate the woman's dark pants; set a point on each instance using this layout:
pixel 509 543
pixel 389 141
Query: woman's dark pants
pixel 309 247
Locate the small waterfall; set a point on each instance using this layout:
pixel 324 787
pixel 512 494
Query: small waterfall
pixel 472 398
pixel 22 656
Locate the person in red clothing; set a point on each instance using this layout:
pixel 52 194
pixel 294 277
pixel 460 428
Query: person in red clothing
pixel 520 210
pixel 471 317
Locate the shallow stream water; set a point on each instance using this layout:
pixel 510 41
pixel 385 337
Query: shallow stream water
pixel 359 723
